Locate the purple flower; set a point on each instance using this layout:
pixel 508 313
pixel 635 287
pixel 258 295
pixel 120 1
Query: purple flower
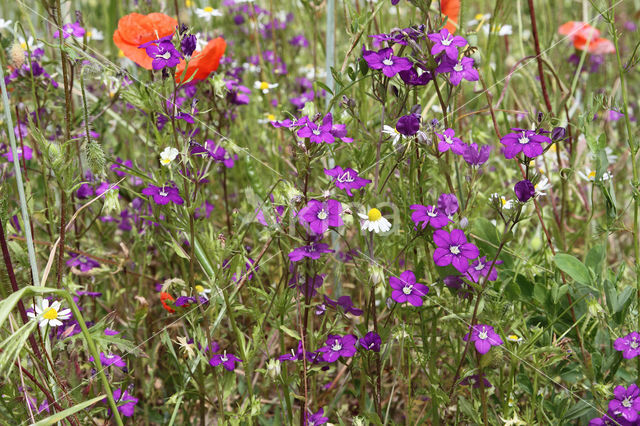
pixel 163 53
pixel 204 211
pixel 483 337
pixel 448 204
pixel 337 346
pixel 416 77
pixel 299 41
pixel 459 70
pixel 27 152
pixel 408 125
pixel 108 360
pixel 524 190
pixel 188 44
pixel 345 303
pixel 629 345
pixel 69 30
pixel 474 156
pixel 315 133
pixel 83 263
pixel 526 141
pixel 346 179
pixel 405 289
pixel 317 418
pixel 626 403
pixel 310 284
pixel 85 191
pixel 385 60
pixel 293 356
pixel 228 361
pixel 480 268
pixel 312 251
pixel 445 42
pixel 453 249
pixel 321 215
pixel 371 342
pixel 428 215
pixel 474 381
pixel 163 195
pixel 110 332
pixel 448 141
pixel 125 401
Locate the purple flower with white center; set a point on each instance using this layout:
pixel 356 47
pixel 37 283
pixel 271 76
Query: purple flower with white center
pixel 449 141
pixel 27 152
pixel 163 195
pixel 228 361
pixel 345 303
pixel 108 360
pixel 83 263
pixel 525 141
pixel 480 268
pixel 447 43
pixel 69 30
pixel 483 337
pixel 125 401
pixel 346 179
pixel 317 418
pixel 300 41
pixel 459 70
pixel 163 53
pixel 371 342
pixel 629 345
pixel 385 60
pixel 448 204
pixel 321 215
pixel 315 133
pixel 408 125
pixel 626 403
pixel 453 249
pixel 405 289
pixel 524 190
pixel 337 346
pixel 312 251
pixel 428 215
pixel 474 156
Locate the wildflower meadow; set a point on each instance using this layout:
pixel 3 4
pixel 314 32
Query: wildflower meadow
pixel 308 212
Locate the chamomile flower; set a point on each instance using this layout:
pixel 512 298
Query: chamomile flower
pixel 501 30
pixel 4 24
pixel 30 42
pixel 202 291
pixel 268 118
pixel 374 221
pixel 542 186
pixel 264 87
pixel 207 13
pixel 514 338
pixel 393 132
pixel 479 18
pixel 168 155
pixel 95 34
pixel 506 204
pixel 49 315
pixel 590 175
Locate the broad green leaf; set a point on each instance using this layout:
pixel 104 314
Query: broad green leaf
pixel 51 420
pixel 573 267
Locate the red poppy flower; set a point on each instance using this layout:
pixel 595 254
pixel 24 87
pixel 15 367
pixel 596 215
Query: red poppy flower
pixel 580 33
pixel 451 9
pixel 135 29
pixel 163 299
pixel 202 63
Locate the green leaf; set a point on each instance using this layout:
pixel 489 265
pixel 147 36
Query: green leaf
pixel 68 412
pixel 290 332
pixel 573 267
pixel 580 409
pixel 595 258
pixel 11 347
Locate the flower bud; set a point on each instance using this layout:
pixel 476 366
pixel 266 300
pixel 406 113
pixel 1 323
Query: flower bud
pixel 376 273
pixel 464 222
pixel 273 368
pixel 524 190
pixel 558 133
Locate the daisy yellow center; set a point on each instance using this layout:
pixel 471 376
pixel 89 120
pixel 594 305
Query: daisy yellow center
pixel 165 161
pixel 50 314
pixel 374 214
pixel 504 200
pixel 208 9
pixel 513 337
pixel 199 289
pixel 264 85
pixel 479 16
pixel 23 45
pixel 592 175
pixel 271 117
pixel 88 34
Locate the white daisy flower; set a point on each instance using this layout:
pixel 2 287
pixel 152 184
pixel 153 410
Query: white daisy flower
pixel 30 42
pixel 374 221
pixel 268 118
pixel 168 155
pixel 501 30
pixel 264 86
pixel 49 315
pixel 590 175
pixel 201 290
pixel 4 24
pixel 506 204
pixel 95 34
pixel 395 134
pixel 514 338
pixel 542 186
pixel 207 13
pixel 479 18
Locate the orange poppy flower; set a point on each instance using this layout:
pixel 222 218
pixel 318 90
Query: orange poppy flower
pixel 163 299
pixel 451 9
pixel 135 29
pixel 202 63
pixel 580 33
